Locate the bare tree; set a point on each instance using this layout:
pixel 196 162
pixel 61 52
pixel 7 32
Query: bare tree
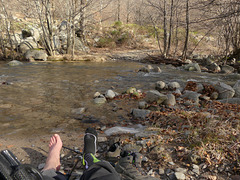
pixel 45 15
pixel 184 53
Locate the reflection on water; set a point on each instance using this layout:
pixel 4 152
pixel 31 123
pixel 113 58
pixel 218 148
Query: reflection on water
pixel 40 97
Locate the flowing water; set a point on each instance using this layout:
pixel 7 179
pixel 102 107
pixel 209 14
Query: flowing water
pixel 39 97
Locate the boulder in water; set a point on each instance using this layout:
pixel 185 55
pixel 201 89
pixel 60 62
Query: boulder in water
pixel 15 63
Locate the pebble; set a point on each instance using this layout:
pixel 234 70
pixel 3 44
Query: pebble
pixel 182 170
pixel 97 94
pixel 180 176
pixel 196 169
pixel 41 166
pixel 161 171
pixel 171 163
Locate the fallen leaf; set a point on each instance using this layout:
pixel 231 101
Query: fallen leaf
pixel 10 146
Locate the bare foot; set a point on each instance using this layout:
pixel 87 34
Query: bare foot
pixel 53 159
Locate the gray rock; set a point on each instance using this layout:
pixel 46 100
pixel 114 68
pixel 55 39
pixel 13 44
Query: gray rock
pixel 231 101
pixel 192 96
pixel 97 94
pixel 14 63
pixel 110 94
pixel 177 91
pixel 41 166
pixel 208 61
pixel 236 88
pixel 199 87
pixel 79 111
pixel 100 100
pixel 192 67
pixel 225 91
pixel 180 176
pixel 131 90
pixel 214 67
pixel 31 32
pixel 144 69
pixel 227 69
pixel 79 45
pixel 196 169
pixel 156 69
pixel 188 61
pixel 145 134
pixel 132 148
pixel 160 85
pixel 26 45
pixel 149 67
pixel 170 101
pixel 182 170
pixel 161 171
pixel 171 163
pixel 142 104
pixel 173 85
pixel 214 96
pixel 140 113
pixel 155 96
pixel 35 54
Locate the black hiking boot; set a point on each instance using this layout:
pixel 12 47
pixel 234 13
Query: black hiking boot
pixel 90 147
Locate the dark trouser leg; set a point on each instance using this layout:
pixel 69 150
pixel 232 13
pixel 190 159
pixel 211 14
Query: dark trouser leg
pixel 51 174
pixel 100 171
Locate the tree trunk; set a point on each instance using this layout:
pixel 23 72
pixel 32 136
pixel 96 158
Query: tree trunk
pixel 118 10
pixel 184 53
pixel 170 29
pixel 165 28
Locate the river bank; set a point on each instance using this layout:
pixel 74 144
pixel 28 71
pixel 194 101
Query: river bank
pixel 175 137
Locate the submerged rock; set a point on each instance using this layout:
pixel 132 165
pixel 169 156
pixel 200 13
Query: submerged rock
pixel 192 67
pixel 14 63
pixel 214 67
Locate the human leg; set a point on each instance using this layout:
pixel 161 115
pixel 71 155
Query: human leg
pixel 52 166
pixel 95 169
